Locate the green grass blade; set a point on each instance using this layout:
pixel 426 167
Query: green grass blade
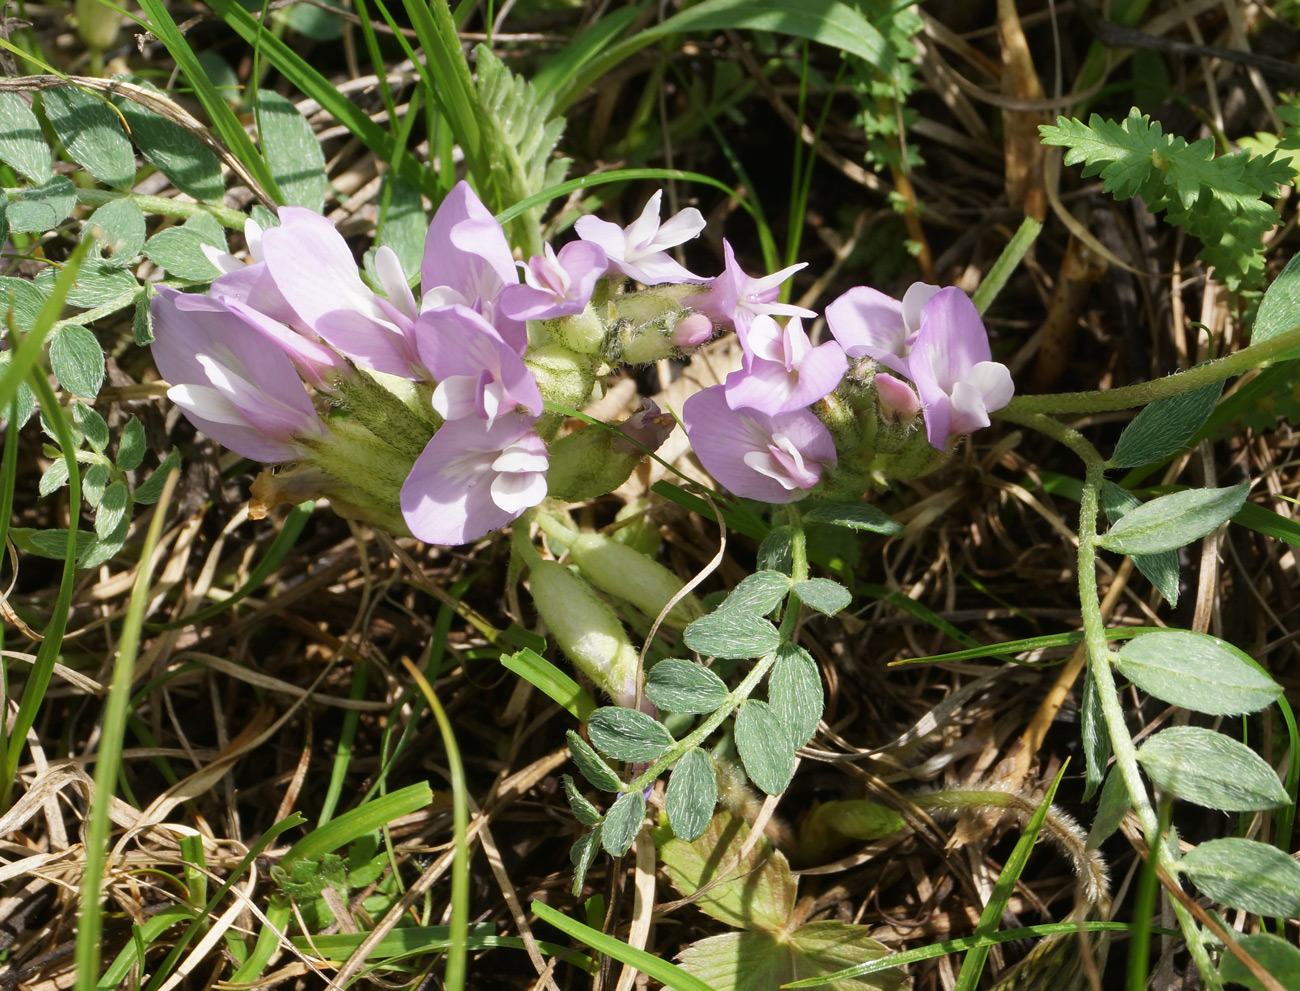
pixel 554 683
pixel 1011 256
pixel 112 735
pixel 661 970
pixel 355 823
pixel 973 966
pixel 560 72
pixel 998 650
pixel 147 932
pixel 214 104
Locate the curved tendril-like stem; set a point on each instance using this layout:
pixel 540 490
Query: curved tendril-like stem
pixel 1129 396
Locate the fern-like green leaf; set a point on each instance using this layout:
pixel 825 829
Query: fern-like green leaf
pixel 1217 199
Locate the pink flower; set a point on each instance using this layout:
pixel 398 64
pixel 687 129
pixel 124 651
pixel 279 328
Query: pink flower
pixel 467 262
pixel 735 298
pixel 783 371
pixel 473 478
pixel 867 322
pixel 555 285
pixel 772 458
pixel 639 249
pixel 951 364
pixel 231 381
pixel 478 373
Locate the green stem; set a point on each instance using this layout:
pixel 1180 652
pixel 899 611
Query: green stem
pixel 1129 396
pixel 165 207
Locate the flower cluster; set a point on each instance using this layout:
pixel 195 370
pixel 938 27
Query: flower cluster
pixel 429 414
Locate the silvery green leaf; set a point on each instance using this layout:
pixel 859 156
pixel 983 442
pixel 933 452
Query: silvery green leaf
pixel 20 302
pixel 692 794
pixel 1210 769
pixel 150 490
pixel 91 424
pixel 112 509
pixel 191 165
pixel 1172 521
pixel 855 516
pixel 53 478
pixel 37 209
pixel 1160 569
pixel 774 553
pixel 119 227
pixel 93 484
pixel 582 855
pixel 178 250
pixel 731 633
pixel 22 145
pixel 826 596
pixel 1112 807
pixel 684 686
pixel 757 594
pixel 622 823
pixel 1164 427
pixel 1195 671
pixel 1246 874
pixel 764 745
pixel 583 810
pixel 292 152
pixel 92 134
pixel 142 324
pixel 98 283
pixel 1279 310
pixel 590 764
pixel 105 548
pixel 1278 957
pixel 627 734
pixel 794 690
pixel 131 445
pixel 51 543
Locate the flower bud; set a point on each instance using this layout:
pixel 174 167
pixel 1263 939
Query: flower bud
pixel 562 377
pixel 582 333
pixel 586 629
pixel 590 462
pixel 617 569
pixel 692 330
pixel 831 826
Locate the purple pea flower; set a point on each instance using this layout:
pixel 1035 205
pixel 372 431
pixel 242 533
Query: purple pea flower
pixel 783 371
pixel 473 478
pixel 478 373
pixel 231 382
pixel 555 285
pixel 868 323
pixel 467 262
pixel 735 298
pixel 951 363
pixel 754 455
pixel 639 250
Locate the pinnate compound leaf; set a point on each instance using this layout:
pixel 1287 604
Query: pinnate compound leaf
pixel 1195 671
pixel 1207 768
pixel 731 633
pixel 757 594
pixel 764 745
pixel 150 490
pixel 119 227
pixel 855 516
pixel 22 145
pixel 1274 954
pixel 98 282
pixel 684 686
pixel 112 509
pixel 292 152
pixel 191 165
pixel 53 478
pixel 50 543
pixel 77 361
pixel 627 734
pixel 20 303
pixel 95 430
pixel 622 823
pixel 794 690
pixel 583 810
pixel 758 892
pixel 692 794
pixel 1246 874
pixel 1172 521
pixel 92 134
pixel 37 209
pixel 826 596
pixel 1160 569
pixel 590 764
pixel 94 483
pixel 1164 427
pixel 774 553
